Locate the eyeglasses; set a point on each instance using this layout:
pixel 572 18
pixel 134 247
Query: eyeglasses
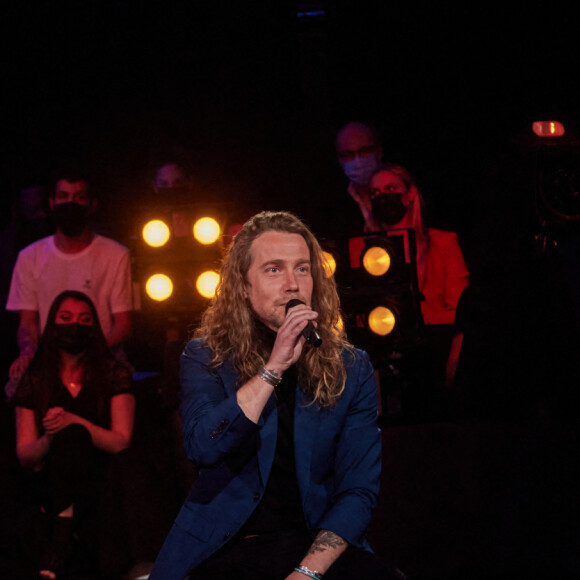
pixel 350 155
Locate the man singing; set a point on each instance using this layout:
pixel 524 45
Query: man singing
pixel 284 432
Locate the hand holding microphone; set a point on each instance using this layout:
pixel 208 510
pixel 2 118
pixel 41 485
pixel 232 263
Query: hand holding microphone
pixel 291 337
pixel 309 333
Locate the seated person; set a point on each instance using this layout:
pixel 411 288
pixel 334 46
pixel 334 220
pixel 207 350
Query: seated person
pixel 74 407
pixel 441 269
pixel 284 434
pixel 75 257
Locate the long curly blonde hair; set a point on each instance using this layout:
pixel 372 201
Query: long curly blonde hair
pixel 228 326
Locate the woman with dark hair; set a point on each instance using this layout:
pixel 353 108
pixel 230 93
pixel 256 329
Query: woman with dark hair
pixel 74 407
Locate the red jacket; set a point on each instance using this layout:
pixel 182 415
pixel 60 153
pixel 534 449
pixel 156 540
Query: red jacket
pixel 445 278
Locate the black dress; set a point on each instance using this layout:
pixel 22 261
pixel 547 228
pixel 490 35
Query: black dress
pixel 75 472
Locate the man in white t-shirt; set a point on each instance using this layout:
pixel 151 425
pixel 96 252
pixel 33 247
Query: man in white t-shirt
pixel 74 258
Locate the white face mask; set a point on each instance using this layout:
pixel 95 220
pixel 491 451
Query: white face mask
pixel 361 169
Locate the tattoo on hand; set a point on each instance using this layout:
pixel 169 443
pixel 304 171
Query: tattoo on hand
pixel 325 540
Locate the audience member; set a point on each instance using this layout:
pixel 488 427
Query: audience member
pixel 171 176
pixel 442 277
pixel 396 203
pixel 268 502
pixel 73 258
pixel 359 151
pixel 73 408
pixel 172 185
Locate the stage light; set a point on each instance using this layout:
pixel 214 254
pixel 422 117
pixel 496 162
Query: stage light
pixel 206 230
pixel 206 283
pixel 379 270
pixel 557 175
pixel 381 320
pixel 159 287
pixel 156 233
pixel 376 261
pixel 339 327
pixel 548 129
pixel 328 263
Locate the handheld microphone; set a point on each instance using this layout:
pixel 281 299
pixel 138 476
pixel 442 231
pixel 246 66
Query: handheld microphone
pixel 309 333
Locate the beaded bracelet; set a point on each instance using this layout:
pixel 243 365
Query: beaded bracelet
pixel 312 573
pixel 269 376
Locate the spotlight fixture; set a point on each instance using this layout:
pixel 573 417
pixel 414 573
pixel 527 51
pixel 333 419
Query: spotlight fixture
pixel 376 261
pixel 206 283
pixel 156 233
pixel 557 182
pixel 159 287
pixel 381 320
pixel 379 290
pixel 206 230
pixel 339 326
pixel 329 264
pixel 381 258
pixel 181 241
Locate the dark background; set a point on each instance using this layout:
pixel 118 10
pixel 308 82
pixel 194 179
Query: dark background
pixel 251 94
pixel 254 94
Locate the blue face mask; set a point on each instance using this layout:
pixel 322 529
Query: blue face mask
pixel 361 169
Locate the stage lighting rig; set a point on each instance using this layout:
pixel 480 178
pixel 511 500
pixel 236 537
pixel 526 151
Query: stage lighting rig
pixel 556 174
pixel 376 276
pixel 176 257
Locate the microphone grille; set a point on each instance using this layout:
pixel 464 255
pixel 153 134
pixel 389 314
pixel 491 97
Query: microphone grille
pixel 292 303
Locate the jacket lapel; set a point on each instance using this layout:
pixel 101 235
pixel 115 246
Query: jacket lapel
pixel 266 439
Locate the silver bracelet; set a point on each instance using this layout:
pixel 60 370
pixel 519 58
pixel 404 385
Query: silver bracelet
pixel 271 377
pixel 307 572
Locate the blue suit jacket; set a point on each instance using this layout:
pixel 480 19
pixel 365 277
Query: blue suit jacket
pixel 337 453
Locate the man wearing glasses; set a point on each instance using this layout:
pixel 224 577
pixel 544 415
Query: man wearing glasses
pixel 359 152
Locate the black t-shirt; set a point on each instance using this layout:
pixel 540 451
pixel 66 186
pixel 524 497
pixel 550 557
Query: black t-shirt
pixel 280 507
pixel 92 402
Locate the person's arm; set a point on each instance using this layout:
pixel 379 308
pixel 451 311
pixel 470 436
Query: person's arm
pixel 30 448
pixel 121 328
pixel 356 475
pixel 253 396
pixel 361 195
pixel 112 440
pixel 456 275
pixel 453 359
pixel 216 417
pixel 324 551
pixel 120 300
pixel 27 339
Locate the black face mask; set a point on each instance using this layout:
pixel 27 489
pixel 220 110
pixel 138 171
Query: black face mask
pixel 388 208
pixel 73 338
pixel 71 218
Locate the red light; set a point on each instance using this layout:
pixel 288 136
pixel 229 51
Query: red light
pixel 548 129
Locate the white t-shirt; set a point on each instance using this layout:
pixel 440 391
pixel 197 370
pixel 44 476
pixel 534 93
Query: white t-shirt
pixel 102 271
